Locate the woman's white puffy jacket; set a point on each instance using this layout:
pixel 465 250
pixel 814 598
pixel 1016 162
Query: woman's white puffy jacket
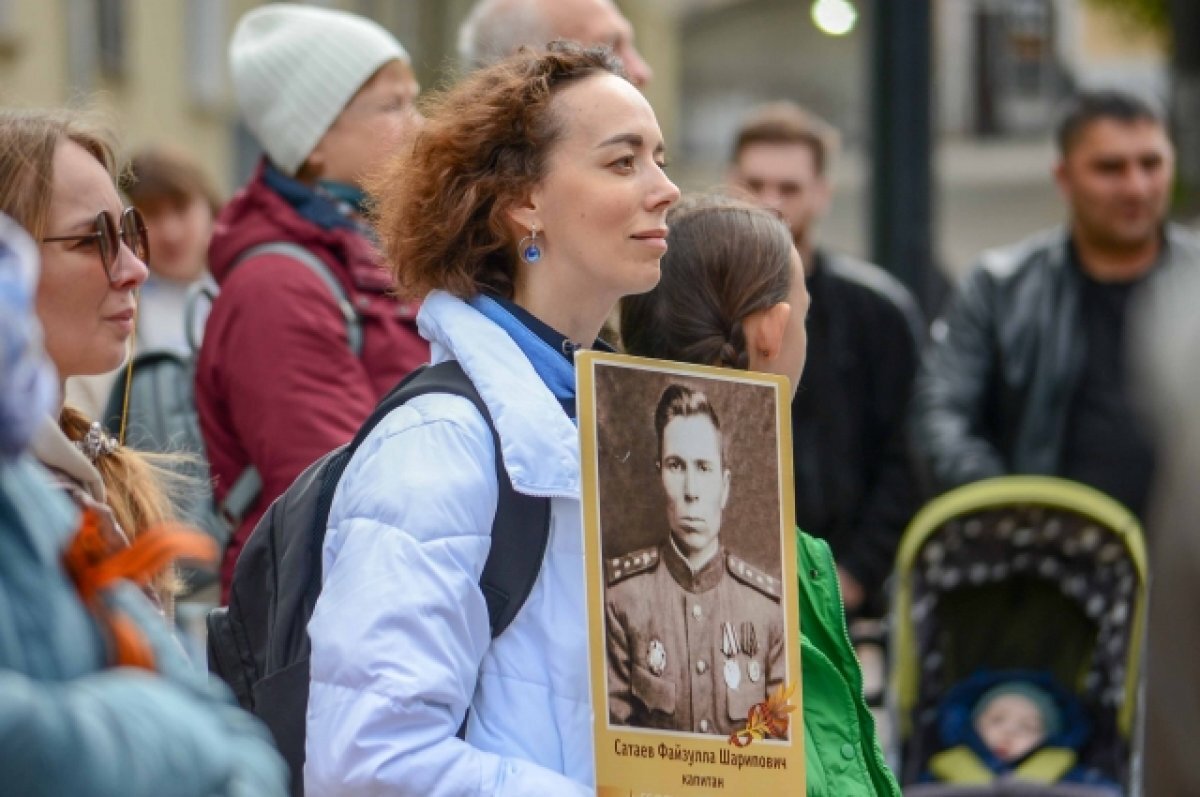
pixel 400 638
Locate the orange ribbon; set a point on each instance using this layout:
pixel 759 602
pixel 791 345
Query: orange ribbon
pixel 98 557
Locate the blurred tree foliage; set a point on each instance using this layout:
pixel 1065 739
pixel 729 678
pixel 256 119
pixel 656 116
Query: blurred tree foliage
pixel 1154 15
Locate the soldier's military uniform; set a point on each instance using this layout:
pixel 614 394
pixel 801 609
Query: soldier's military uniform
pixel 690 651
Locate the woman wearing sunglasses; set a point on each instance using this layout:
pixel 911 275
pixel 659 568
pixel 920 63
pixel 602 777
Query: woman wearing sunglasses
pixel 70 721
pixel 56 180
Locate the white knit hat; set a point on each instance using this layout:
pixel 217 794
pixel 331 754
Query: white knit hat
pixel 295 67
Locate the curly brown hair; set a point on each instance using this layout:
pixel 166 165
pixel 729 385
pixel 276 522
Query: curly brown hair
pixel 441 208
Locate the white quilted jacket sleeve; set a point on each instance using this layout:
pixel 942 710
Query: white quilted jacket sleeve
pixel 401 627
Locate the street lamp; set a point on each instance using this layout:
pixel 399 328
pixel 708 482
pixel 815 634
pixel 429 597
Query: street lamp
pixel 834 17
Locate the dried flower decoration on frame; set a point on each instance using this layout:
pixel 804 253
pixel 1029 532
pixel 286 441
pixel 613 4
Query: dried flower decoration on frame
pixel 768 719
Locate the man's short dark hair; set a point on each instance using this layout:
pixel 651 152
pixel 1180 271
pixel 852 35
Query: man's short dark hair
pixel 1089 107
pixel 787 123
pixel 680 401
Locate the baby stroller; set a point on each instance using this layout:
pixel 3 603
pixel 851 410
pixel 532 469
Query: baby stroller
pixel 1020 572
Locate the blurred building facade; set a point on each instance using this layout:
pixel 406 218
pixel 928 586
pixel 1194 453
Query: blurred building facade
pixel 1000 66
pixel 157 68
pixel 1005 65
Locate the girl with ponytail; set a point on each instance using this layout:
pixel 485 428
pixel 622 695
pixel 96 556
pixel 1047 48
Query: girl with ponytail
pixel 727 280
pixel 732 294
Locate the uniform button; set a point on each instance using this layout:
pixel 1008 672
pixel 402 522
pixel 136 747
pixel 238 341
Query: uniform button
pixel 697 611
pixel 847 751
pixel 701 666
pixel 703 726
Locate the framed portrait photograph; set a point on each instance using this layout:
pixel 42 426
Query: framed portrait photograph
pixel 691 578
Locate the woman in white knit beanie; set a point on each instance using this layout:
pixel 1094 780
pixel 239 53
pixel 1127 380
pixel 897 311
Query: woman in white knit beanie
pixel 298 72
pixel 306 335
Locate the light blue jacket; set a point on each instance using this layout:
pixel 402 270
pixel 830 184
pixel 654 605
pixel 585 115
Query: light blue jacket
pixel 69 725
pixel 401 645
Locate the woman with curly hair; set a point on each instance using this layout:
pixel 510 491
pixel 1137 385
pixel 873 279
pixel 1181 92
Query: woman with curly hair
pixel 532 201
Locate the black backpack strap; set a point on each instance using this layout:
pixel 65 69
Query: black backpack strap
pixel 520 534
pixel 229 655
pixel 521 528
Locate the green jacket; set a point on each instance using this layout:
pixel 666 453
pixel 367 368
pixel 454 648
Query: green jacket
pixel 841 748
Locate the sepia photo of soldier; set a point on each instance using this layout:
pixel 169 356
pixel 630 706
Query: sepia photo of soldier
pixel 694 634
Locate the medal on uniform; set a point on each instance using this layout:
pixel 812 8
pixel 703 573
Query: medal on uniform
pixel 729 644
pixel 754 671
pixel 733 673
pixel 749 639
pixel 656 658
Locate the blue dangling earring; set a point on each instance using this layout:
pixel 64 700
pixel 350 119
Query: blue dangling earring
pixel 531 252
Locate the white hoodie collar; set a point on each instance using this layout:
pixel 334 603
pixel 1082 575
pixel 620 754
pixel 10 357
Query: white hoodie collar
pixel 539 443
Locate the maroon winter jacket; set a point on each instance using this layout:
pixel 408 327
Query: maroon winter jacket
pixel 277 385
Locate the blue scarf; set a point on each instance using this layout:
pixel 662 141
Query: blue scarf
pixel 348 194
pixel 550 353
pixel 323 206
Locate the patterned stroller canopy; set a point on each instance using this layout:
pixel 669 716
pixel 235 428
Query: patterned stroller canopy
pixel 1020 572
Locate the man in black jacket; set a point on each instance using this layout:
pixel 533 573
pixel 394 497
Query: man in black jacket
pixel 854 487
pixel 1027 372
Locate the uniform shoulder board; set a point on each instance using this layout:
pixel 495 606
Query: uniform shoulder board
pixel 619 568
pixel 751 576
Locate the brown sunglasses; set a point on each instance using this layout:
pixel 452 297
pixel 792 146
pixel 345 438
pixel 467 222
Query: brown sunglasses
pixel 108 238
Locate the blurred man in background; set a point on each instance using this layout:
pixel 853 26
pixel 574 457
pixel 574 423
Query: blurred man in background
pixel 179 204
pixel 497 28
pixel 1028 373
pixel 854 486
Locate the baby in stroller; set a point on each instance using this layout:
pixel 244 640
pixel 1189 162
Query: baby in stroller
pixel 1029 579
pixel 1020 725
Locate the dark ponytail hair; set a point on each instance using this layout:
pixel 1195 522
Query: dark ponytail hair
pixel 726 260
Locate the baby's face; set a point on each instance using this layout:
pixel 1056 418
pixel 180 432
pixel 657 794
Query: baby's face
pixel 1011 726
